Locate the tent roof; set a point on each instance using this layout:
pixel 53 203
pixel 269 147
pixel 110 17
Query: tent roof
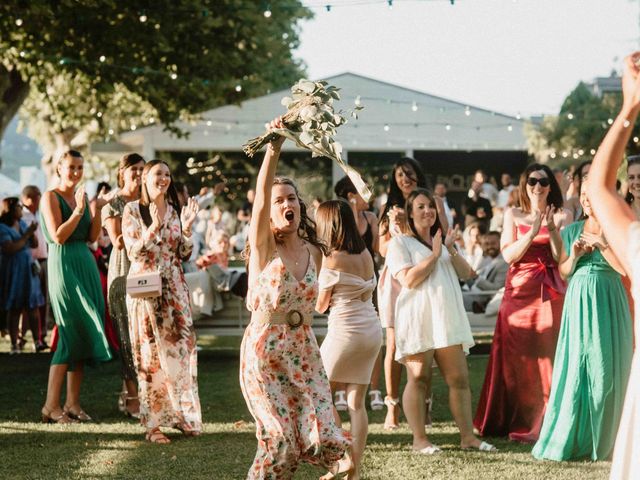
pixel 394 118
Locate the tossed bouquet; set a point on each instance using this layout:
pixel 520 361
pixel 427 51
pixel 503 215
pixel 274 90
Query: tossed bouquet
pixel 311 123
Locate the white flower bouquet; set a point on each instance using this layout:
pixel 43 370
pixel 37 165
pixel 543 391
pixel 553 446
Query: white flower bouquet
pixel 311 123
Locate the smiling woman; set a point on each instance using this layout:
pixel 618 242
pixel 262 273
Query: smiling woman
pixel 281 373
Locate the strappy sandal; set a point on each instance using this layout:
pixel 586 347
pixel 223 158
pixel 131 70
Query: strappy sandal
pixel 63 418
pixel 392 403
pixel 80 416
pixel 483 447
pixel 430 450
pixel 156 436
pixel 342 469
pixel 188 432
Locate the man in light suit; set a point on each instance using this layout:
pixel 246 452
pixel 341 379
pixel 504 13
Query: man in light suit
pixel 491 277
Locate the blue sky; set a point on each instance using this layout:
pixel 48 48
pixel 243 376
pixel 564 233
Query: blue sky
pixel 506 55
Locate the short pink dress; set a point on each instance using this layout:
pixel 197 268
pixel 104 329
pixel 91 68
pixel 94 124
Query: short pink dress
pixel 283 380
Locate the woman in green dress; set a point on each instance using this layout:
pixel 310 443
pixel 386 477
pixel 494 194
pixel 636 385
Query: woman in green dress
pixel 593 356
pixel 74 289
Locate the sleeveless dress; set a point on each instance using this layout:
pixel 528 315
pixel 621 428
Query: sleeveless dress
pixel 626 455
pixel 75 293
pixel 19 287
pixel 283 380
pixel 592 362
pixel 354 336
pixel 117 291
pixel 431 315
pixel 161 330
pixel 518 378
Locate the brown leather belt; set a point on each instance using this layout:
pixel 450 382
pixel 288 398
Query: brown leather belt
pixel 293 318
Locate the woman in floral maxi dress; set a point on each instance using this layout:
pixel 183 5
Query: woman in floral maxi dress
pixel 281 373
pixel 161 329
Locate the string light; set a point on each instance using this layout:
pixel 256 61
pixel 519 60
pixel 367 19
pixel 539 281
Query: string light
pixel 238 88
pixel 174 76
pixel 267 13
pixel 111 132
pixel 610 121
pixel 414 107
pixel 102 58
pixel 467 111
pixel 386 127
pixel 143 18
pixel 447 127
pixel 570 116
pixel 19 22
pixel 510 128
pixel 636 139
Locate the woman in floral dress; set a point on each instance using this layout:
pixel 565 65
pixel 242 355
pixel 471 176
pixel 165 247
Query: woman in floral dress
pixel 281 373
pixel 161 329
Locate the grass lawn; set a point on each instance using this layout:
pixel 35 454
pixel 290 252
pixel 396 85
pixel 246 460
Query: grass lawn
pixel 114 447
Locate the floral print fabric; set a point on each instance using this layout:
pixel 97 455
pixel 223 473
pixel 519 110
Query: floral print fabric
pixel 161 329
pixel 283 380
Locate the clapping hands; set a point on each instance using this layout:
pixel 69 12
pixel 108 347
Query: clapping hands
pixel 437 243
pixel 451 236
pixel 593 241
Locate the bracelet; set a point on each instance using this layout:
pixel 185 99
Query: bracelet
pixel 454 253
pixel 77 212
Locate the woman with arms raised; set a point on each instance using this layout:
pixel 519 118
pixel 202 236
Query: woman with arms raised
pixel 281 373
pixel 623 232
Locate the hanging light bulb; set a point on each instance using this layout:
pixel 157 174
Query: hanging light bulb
pixel 267 13
pixel 414 107
pixel 636 139
pixel 102 58
pixel 610 121
pixel 143 18
pixel 173 76
pixel 467 111
pixel 358 102
pixel 447 127
pixel 209 123
pixel 570 116
pixel 238 88
pixel 19 22
pixel 510 128
pixel 518 116
pixel 386 127
pixel 592 151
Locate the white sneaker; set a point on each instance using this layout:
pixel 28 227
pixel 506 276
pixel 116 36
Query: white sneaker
pixel 375 400
pixel 340 401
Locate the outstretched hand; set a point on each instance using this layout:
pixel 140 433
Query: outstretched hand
pixel 631 81
pixel 276 143
pixel 189 213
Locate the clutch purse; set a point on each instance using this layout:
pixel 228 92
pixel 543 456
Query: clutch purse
pixel 144 285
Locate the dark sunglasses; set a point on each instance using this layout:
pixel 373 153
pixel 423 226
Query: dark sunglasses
pixel 544 181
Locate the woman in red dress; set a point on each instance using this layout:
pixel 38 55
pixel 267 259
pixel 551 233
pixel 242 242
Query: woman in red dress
pixel 518 379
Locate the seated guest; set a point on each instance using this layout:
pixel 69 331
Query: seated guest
pixel 472 251
pixel 491 276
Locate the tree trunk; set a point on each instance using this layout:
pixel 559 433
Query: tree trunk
pixel 13 91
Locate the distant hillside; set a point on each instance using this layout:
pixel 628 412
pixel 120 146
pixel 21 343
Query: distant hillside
pixel 17 150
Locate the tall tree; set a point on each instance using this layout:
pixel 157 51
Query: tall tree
pixel 173 57
pixel 578 129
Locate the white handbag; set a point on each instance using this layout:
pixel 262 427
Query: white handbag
pixel 144 285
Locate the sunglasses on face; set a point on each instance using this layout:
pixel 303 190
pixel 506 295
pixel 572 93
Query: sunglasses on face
pixel 544 181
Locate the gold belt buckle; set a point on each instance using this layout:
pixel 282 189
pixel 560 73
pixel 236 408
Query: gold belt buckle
pixel 293 324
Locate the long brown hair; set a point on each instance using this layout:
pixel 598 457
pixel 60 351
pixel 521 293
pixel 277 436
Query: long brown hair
pixel 145 200
pixel 127 160
pixel 306 228
pixel 408 208
pixel 555 194
pixel 7 210
pixel 337 227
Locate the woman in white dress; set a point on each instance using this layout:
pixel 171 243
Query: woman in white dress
pixel 430 321
pixel 354 337
pixel 623 234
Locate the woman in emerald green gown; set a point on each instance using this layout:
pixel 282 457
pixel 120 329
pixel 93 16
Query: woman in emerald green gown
pixel 74 289
pixel 593 355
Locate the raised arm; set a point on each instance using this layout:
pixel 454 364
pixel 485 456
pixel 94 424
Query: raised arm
pixel 261 239
pixel 613 214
